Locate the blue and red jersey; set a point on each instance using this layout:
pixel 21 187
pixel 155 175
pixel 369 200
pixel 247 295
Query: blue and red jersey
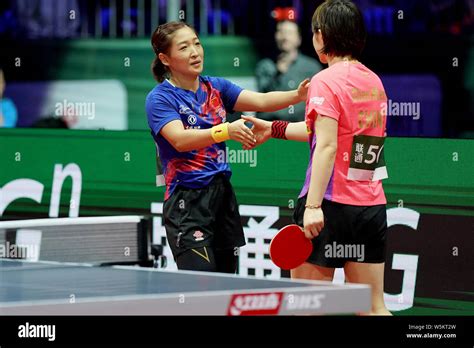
pixel 201 110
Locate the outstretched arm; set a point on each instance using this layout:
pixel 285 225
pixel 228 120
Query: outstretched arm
pixel 184 140
pixel 263 130
pixel 271 101
pixel 297 131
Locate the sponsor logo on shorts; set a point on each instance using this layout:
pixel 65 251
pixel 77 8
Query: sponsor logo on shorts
pixel 255 304
pixel 302 302
pixel 198 236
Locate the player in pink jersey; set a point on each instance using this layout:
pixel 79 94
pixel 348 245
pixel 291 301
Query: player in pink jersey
pixel 342 204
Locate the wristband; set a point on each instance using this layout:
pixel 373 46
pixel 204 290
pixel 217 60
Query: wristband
pixel 279 129
pixel 220 132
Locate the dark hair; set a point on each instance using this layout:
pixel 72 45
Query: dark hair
pixel 342 26
pixel 161 43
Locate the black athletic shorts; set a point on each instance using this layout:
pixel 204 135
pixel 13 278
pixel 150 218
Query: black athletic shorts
pixel 350 233
pixel 207 216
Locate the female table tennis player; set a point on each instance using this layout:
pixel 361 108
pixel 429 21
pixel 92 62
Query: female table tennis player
pixel 187 116
pixel 342 202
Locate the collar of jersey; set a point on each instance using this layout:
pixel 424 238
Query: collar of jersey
pixel 186 90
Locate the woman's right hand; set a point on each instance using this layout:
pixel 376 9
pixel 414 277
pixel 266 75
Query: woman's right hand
pixel 261 129
pixel 238 131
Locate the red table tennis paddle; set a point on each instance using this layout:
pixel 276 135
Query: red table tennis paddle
pixel 290 248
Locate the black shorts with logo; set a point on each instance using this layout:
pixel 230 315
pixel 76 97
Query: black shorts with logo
pixel 202 217
pixel 350 233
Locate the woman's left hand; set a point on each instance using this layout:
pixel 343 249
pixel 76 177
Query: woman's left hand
pixel 303 89
pixel 313 222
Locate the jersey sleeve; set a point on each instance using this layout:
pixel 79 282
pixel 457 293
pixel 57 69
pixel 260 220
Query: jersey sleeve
pixel 159 112
pixel 322 100
pixel 229 92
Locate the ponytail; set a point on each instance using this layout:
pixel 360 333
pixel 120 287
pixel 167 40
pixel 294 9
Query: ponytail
pixel 159 70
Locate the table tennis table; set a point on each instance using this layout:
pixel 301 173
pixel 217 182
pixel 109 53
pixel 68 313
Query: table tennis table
pixel 53 288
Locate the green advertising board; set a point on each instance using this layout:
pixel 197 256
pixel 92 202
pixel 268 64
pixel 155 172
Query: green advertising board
pixel 118 171
pixel 430 191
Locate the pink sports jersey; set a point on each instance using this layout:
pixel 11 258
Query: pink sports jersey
pixel 354 96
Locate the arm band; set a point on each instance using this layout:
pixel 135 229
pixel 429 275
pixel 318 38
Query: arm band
pixel 279 129
pixel 220 132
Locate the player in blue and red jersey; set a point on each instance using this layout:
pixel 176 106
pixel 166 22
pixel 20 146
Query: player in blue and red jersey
pixel 187 116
